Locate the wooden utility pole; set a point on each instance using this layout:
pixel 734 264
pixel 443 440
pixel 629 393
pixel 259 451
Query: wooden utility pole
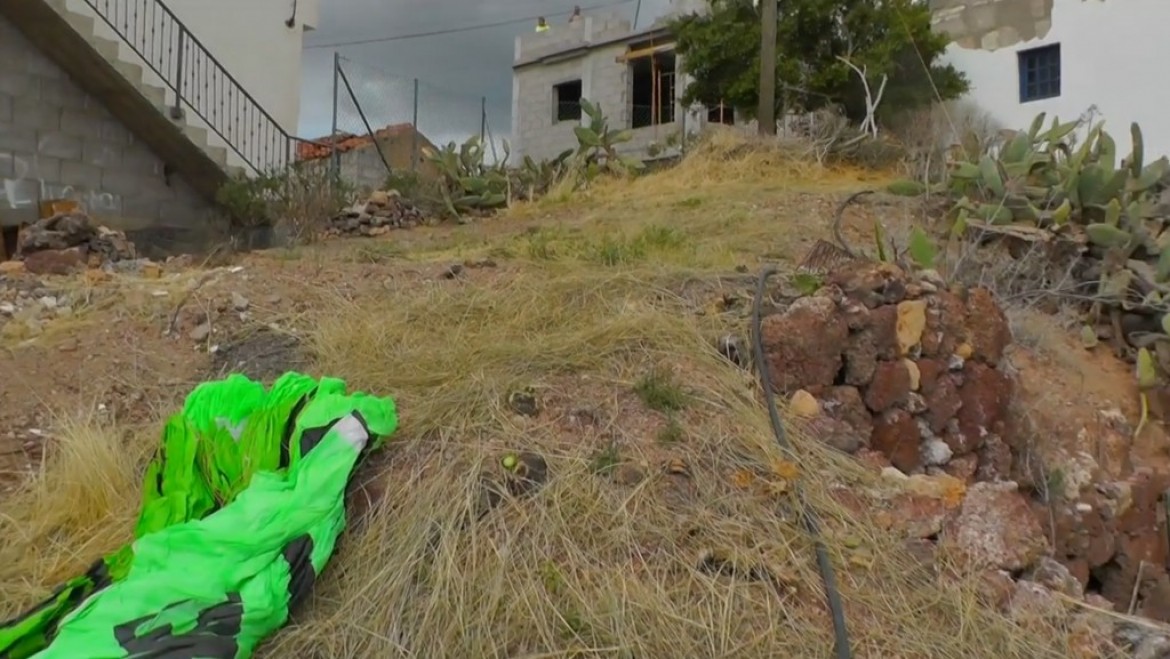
pixel 766 113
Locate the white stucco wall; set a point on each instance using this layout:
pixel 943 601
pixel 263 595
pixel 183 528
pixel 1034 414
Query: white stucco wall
pixel 1113 56
pixel 250 39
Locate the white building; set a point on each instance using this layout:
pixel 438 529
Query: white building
pixel 140 110
pixel 1066 58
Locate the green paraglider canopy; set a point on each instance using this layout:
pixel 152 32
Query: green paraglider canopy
pixel 242 507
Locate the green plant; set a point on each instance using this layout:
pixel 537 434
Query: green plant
pixel 660 392
pixel 672 433
pixel 605 460
pixel 597 145
pixel 719 51
pixel 297 199
pixel 1037 185
pixel 904 188
pixel 468 182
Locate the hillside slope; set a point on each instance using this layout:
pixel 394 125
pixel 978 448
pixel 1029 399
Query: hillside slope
pixel 583 330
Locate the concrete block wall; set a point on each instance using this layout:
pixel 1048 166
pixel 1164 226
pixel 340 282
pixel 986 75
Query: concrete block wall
pixel 60 142
pixel 565 36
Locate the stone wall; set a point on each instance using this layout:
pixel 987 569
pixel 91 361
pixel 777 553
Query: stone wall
pixel 901 366
pixel 909 374
pixel 58 142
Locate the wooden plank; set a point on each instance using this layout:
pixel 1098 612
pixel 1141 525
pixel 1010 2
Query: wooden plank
pixel 644 52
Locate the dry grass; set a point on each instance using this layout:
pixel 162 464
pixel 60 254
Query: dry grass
pixel 591 565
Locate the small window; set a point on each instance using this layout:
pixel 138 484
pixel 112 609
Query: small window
pixel 567 101
pixel 1039 73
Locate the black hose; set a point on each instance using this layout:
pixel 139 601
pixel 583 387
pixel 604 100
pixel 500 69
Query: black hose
pixel 809 516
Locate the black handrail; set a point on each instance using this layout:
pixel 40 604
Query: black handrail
pixel 198 80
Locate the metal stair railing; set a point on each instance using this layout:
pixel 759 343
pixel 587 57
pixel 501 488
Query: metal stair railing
pixel 198 81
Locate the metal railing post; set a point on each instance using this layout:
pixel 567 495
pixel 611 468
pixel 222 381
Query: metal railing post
pixel 414 131
pixel 482 118
pixel 177 110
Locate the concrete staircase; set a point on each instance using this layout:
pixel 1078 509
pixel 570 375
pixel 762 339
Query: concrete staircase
pixel 150 72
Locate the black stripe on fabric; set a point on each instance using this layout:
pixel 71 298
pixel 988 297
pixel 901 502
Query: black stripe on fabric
pixel 213 637
pixel 302 576
pixel 290 426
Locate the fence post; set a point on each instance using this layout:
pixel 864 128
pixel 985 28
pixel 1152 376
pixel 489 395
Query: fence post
pixel 482 118
pixel 334 162
pixel 414 131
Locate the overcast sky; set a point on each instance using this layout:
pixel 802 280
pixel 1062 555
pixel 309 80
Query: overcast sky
pixel 455 70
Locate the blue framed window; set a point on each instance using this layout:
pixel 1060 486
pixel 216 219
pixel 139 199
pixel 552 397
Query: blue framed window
pixel 1039 73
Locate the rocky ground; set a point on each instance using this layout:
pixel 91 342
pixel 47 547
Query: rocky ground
pixel 982 438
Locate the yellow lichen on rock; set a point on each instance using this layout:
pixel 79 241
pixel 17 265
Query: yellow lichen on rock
pixel 911 324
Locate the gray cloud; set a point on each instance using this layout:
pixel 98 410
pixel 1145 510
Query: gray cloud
pixel 455 70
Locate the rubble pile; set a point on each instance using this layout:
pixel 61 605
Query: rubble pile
pixel 27 305
pixel 383 211
pixel 900 365
pixel 70 242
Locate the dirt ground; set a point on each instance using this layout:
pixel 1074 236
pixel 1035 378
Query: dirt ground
pixel 131 347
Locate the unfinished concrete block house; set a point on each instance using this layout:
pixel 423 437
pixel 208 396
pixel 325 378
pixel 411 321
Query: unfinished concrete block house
pixel 633 74
pixel 140 109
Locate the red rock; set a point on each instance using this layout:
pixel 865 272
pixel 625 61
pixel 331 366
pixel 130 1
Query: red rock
pixel 1080 533
pixel 803 345
pixel 875 460
pixel 995 527
pixel 890 386
pixel 845 404
pixel 929 372
pixel 1155 596
pixel 883 330
pixel 963 467
pixel 1056 577
pixel 915 516
pixel 988 327
pixel 1033 604
pixel 896 434
pixel 1112 437
pixel 1142 509
pixel 1090 635
pixel 835 433
pixel 856 315
pixel 942 404
pixel 870 283
pixel 56 261
pixel 1149 546
pixel 945 315
pixel 985 396
pixel 995 460
pixel 1079 569
pixel 995 588
pixel 860 358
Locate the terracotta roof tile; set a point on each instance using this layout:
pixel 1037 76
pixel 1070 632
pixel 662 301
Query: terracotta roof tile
pixel 322 146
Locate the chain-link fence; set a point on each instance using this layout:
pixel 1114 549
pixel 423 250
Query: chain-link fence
pixel 382 123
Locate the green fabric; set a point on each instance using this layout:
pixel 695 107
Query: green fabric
pixel 236 522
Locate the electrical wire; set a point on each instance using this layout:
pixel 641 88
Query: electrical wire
pixel 455 30
pixel 808 516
